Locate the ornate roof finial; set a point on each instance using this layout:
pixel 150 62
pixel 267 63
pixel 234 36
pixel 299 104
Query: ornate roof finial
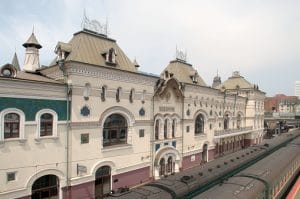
pixel 180 55
pixel 93 25
pixel 135 63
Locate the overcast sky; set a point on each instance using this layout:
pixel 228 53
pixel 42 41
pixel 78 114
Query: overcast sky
pixel 261 39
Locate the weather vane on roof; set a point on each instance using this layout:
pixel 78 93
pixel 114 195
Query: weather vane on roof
pixel 94 25
pixel 181 55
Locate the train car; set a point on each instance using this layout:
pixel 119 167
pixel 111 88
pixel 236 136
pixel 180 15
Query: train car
pixel 268 178
pixel 191 182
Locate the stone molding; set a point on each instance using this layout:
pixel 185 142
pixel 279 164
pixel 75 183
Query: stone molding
pixel 114 75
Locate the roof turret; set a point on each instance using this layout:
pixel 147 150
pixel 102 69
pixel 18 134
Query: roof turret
pixel 32 42
pixel 183 72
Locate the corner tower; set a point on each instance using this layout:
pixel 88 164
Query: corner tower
pixel 32 62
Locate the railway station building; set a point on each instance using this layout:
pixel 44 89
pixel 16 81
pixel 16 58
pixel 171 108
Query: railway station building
pixel 92 122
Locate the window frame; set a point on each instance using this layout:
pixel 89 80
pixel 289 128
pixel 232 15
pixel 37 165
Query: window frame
pixel 115 132
pixel 54 123
pixel 201 131
pixel 21 123
pixel 13 125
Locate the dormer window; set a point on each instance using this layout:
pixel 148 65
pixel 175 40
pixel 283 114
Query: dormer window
pixel 110 56
pixel 194 78
pixel 166 74
pixel 8 71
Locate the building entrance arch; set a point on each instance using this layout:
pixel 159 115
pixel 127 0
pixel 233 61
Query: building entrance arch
pixel 204 153
pixel 102 182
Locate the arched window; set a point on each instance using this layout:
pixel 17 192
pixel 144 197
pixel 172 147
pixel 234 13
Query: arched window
pixel 162 167
pixel 131 95
pixel 157 130
pixel 45 187
pixel 103 93
pixel 173 127
pixel 170 165
pixel 199 124
pixel 238 122
pixel 118 94
pixel 11 125
pixel 115 130
pixel 226 121
pixel 166 129
pixel 46 126
pixel 87 91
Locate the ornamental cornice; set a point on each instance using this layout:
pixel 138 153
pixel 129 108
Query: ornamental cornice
pixel 109 74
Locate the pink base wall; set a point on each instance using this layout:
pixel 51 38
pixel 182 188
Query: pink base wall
pixel 187 163
pixel 84 190
pixel 248 142
pixel 131 178
pixel 87 190
pixel 211 154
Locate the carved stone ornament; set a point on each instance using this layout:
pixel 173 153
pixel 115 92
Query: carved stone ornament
pixel 142 112
pixel 85 111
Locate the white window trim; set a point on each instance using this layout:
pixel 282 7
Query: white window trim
pixel 21 127
pixel 38 122
pixel 129 119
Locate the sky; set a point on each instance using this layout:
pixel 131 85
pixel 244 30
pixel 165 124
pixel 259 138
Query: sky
pixel 261 39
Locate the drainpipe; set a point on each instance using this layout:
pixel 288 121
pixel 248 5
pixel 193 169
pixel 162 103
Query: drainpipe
pixel 61 64
pixel 151 140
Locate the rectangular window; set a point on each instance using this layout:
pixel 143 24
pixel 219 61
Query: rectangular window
pixel 142 133
pixel 11 176
pixel 84 138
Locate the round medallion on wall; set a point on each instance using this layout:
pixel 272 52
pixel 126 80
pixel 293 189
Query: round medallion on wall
pixel 85 111
pixel 142 112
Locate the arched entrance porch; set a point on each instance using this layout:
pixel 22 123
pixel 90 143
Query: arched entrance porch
pixel 167 161
pixel 102 182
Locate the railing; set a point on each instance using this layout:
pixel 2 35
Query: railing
pixel 229 131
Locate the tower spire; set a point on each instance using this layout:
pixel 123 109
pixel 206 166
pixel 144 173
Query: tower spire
pixel 15 62
pixel 217 80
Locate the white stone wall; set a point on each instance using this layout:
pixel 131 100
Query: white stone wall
pixel 121 158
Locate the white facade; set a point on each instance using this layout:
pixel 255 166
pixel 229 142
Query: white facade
pixel 123 127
